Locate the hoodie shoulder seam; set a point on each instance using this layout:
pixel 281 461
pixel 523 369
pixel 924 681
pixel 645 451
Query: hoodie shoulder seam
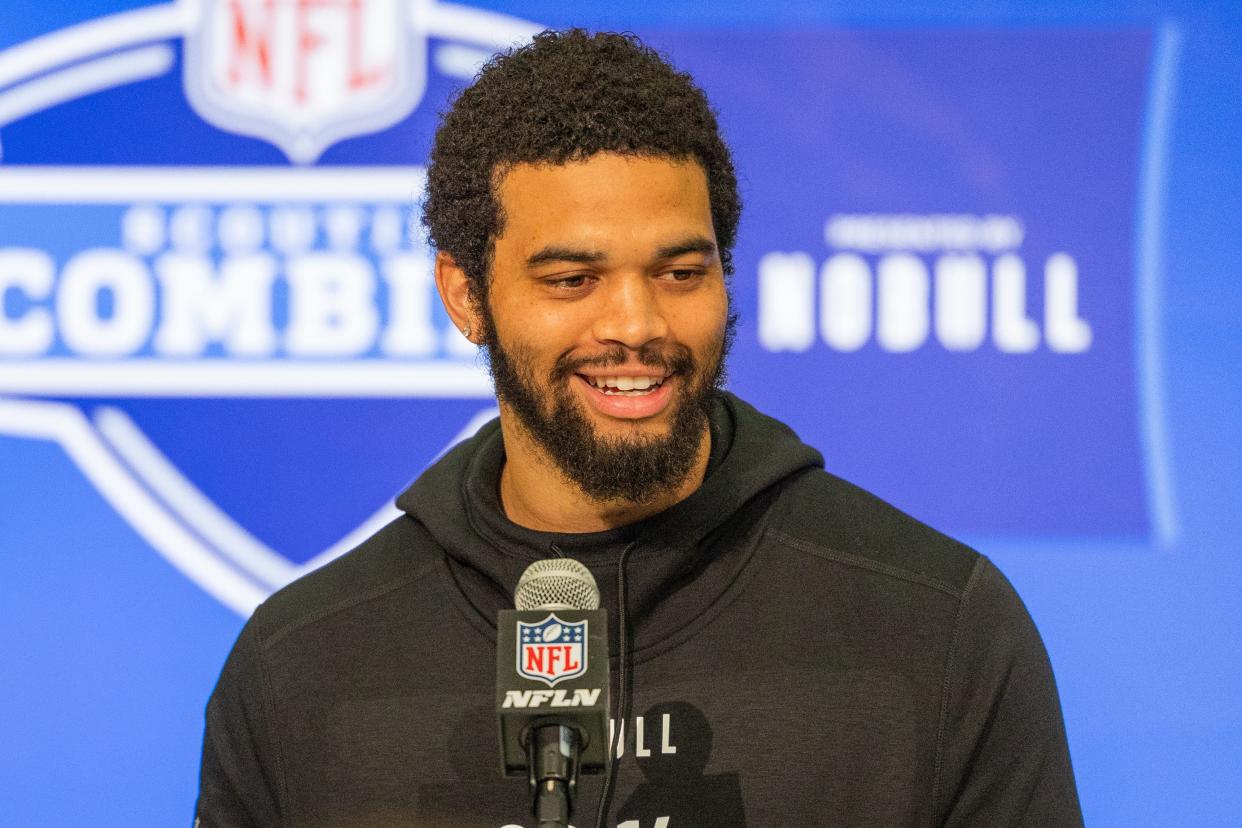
pixel 268 695
pixel 343 605
pixel 860 562
pixel 950 665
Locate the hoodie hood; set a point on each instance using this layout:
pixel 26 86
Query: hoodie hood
pixel 681 559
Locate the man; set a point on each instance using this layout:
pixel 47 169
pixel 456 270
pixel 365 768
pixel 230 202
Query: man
pixel 801 653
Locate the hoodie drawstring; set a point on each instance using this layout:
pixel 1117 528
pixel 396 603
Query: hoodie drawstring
pixel 623 694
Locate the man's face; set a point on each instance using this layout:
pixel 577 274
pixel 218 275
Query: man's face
pixel 607 318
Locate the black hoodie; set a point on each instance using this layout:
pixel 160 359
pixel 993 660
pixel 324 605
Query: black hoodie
pixel 801 654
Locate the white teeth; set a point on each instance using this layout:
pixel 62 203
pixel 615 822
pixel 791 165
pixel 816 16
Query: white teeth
pixel 629 385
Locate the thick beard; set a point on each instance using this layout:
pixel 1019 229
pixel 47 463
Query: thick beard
pixel 636 469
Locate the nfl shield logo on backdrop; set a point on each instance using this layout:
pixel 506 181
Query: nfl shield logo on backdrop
pixel 304 74
pixel 552 650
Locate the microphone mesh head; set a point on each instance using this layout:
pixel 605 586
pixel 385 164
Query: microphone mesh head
pixel 556 583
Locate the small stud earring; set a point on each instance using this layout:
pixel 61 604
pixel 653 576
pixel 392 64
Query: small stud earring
pixel 466 332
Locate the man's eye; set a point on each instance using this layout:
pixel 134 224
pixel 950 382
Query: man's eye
pixel 569 282
pixel 683 274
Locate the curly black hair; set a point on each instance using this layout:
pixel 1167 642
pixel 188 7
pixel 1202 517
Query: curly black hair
pixel 565 97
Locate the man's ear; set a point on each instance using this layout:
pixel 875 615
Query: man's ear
pixel 454 287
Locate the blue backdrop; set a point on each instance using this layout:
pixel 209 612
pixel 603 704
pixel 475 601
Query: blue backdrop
pixel 989 265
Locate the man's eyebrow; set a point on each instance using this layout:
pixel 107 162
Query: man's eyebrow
pixel 696 244
pixel 554 253
pixel 561 253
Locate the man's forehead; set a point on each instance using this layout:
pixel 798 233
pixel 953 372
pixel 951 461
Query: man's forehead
pixel 600 195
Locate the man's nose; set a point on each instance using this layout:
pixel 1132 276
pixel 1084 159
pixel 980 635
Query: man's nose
pixel 631 314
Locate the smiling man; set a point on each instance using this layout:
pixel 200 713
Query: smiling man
pixel 606 321
pixel 802 653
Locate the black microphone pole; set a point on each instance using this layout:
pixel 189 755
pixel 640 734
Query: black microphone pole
pixel 552 685
pixel 552 751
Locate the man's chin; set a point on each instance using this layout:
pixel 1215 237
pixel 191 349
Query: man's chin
pixel 596 441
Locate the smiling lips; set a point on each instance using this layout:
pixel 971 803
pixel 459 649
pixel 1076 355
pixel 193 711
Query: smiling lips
pixel 635 386
pixel 628 397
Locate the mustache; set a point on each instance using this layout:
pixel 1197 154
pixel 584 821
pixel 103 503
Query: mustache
pixel 676 359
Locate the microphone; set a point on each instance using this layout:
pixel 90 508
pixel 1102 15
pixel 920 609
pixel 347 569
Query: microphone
pixel 552 685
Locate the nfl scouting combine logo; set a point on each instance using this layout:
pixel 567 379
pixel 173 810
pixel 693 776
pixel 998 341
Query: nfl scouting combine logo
pixel 242 352
pixel 552 650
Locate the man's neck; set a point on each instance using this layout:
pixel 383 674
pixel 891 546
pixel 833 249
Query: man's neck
pixel 535 494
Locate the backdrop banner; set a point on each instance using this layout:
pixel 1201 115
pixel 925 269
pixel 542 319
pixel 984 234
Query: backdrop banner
pixel 222 354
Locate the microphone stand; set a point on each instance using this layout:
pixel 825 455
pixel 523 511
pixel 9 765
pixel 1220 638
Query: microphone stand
pixel 552 749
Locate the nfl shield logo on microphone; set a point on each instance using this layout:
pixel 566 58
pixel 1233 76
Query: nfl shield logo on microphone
pixel 552 650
